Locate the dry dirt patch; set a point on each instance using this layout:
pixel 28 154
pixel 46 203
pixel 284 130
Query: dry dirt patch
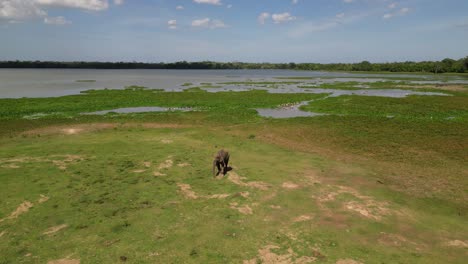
pixel 366 206
pixel 43 199
pixel 64 261
pixel 61 161
pixel 187 191
pixel 158 174
pixel 236 179
pixel 218 196
pixel 266 256
pixel 244 209
pixel 62 164
pixel 166 164
pixel 183 165
pixel 2 233
pixel 457 243
pixel 290 186
pixel 302 218
pixel 166 141
pixel 10 166
pixel 22 208
pixel 92 127
pixel 54 229
pixel 71 130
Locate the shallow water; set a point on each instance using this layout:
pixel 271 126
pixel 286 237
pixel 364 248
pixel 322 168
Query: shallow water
pixel 130 110
pixel 16 83
pixel 395 93
pixel 287 112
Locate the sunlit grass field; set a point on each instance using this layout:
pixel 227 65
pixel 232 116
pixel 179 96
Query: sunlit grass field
pixel 377 180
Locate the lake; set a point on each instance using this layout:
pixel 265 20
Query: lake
pixel 16 83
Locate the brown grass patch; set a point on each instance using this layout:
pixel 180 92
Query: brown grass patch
pixel 2 233
pixel 158 174
pixel 183 165
pixel 54 229
pixel 396 240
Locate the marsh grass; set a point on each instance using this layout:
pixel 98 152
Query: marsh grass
pixel 115 207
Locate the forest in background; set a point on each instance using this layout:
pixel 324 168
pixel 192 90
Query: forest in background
pixel 443 66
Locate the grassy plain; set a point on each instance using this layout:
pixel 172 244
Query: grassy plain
pixel 379 180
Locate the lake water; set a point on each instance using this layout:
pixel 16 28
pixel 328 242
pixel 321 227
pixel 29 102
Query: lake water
pixel 16 83
pixel 131 110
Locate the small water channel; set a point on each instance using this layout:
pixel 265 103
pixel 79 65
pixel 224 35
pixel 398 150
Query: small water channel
pixel 130 110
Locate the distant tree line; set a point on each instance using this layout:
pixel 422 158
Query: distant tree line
pixel 444 66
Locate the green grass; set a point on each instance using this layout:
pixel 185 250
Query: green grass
pixel 406 174
pixel 413 107
pixel 223 103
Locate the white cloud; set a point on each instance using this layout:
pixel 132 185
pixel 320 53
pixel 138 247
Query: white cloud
pixel 263 17
pixel 229 6
pixel 208 23
pixel 387 16
pixel 95 5
pixel 295 2
pixel 309 27
pixel 392 5
pixel 283 17
pixel 20 10
pixel 401 12
pixel 60 20
pixel 14 10
pixel 172 24
pixel 348 1
pixel 179 7
pixel 118 2
pixel 210 2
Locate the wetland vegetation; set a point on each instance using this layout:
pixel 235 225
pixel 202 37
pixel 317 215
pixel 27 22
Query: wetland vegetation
pixel 376 179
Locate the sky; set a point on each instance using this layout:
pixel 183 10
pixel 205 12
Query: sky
pixel 321 31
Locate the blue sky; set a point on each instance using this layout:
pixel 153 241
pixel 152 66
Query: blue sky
pixel 234 30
